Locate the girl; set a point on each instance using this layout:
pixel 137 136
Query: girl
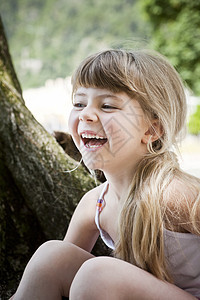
pixel 129 113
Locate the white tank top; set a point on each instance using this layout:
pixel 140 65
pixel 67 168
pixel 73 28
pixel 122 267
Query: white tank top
pixel 182 251
pixel 100 205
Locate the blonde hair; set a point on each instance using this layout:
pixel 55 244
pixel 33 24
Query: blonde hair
pixel 155 84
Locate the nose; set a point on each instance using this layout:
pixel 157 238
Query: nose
pixel 88 114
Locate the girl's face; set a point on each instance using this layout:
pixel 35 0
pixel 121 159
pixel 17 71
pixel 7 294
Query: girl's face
pixel 109 129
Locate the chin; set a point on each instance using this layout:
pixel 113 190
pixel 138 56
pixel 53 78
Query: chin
pixel 92 166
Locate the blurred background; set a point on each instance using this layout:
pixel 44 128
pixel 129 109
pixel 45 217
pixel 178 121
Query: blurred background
pixel 49 38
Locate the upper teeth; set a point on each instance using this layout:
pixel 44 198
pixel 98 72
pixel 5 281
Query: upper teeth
pixel 91 136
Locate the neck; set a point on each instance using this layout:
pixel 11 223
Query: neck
pixel 120 176
pixel 119 184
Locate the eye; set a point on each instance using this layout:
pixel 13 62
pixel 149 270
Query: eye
pixel 78 105
pixel 107 106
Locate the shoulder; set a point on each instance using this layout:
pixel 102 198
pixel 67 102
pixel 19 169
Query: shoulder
pixel 89 200
pixel 182 190
pixel 94 194
pixel 86 208
pixel 182 203
pixel 179 188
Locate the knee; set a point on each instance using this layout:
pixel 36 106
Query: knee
pixel 94 267
pixel 90 279
pixel 45 260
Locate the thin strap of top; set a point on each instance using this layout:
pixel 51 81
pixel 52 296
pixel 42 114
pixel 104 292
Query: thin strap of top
pixel 100 205
pixel 101 201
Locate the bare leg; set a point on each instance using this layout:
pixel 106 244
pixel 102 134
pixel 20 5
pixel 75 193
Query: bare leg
pixel 113 279
pixel 50 271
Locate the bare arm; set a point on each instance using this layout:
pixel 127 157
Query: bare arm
pixel 82 230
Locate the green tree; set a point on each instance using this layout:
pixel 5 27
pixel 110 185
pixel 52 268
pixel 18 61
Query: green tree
pixel 37 196
pixel 49 38
pixel 194 122
pixel 176 34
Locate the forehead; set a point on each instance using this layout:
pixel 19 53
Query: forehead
pixel 100 93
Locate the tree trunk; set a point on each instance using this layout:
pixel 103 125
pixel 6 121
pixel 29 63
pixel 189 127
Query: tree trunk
pixel 37 196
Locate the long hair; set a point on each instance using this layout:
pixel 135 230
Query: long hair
pixel 155 84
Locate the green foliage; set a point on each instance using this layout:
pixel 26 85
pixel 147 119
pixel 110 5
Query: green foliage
pixel 49 38
pixel 176 34
pixel 194 122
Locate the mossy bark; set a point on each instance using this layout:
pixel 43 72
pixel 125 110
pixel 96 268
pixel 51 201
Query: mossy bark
pixel 37 196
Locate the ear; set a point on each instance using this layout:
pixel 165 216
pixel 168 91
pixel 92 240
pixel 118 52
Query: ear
pixel 154 132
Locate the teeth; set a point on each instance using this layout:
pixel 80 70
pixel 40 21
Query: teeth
pixel 90 136
pixel 92 146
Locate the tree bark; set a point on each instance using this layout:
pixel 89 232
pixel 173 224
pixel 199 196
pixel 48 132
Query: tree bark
pixel 37 196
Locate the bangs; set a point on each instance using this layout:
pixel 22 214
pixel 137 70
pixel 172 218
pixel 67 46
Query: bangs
pixel 106 70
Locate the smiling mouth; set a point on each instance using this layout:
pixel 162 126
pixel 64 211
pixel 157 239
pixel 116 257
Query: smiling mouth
pixel 93 141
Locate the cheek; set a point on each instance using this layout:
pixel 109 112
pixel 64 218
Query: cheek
pixel 73 124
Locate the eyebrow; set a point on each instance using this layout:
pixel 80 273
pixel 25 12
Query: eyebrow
pixel 79 94
pixel 101 96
